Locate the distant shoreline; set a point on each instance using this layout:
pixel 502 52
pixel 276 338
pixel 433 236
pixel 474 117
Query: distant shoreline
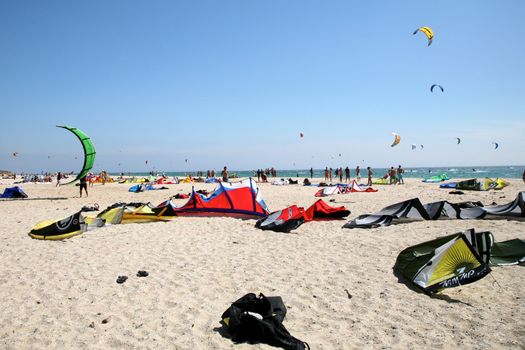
pixel 464 172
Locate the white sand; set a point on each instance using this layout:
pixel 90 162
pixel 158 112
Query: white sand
pixel 52 291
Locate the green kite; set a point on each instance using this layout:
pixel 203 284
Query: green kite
pixel 89 151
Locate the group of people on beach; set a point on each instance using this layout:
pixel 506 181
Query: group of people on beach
pixel 41 178
pixel 262 175
pixel 395 176
pixel 346 172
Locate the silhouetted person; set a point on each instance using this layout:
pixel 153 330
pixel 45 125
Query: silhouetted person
pixel 83 185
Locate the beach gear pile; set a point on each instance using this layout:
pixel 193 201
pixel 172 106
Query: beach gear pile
pixel 342 189
pixel 156 180
pixel 238 199
pixel 234 199
pixel 259 319
pixel 455 260
pixel 145 187
pixel 476 185
pixel 413 209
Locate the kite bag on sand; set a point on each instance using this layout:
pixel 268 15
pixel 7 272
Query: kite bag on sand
pixel 259 319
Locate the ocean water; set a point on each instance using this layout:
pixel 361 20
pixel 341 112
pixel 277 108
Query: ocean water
pixel 506 172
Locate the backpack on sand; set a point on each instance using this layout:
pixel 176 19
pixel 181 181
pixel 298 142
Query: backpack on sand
pixel 259 319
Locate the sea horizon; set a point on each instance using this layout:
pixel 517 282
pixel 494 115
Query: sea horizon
pixel 502 171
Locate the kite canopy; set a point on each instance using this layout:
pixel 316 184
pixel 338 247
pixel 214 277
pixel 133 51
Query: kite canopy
pixel 427 31
pixel 496 145
pixel 476 185
pixel 446 262
pixel 89 151
pixel 292 217
pixel 60 229
pixel 397 139
pixel 439 86
pixel 510 252
pixel 413 209
pixel 240 199
pixel 459 140
pixel 437 178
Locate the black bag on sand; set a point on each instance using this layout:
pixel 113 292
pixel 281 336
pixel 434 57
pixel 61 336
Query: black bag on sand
pixel 259 319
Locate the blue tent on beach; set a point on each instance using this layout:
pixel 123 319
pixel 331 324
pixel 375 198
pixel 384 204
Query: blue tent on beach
pixel 13 192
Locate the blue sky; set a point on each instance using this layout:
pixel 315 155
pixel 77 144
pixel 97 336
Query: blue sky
pixel 235 82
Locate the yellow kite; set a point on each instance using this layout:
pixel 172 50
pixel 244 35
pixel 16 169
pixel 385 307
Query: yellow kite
pixel 397 139
pixel 427 31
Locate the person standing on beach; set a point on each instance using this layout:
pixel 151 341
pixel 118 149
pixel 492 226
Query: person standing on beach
pixel 392 174
pixel 400 172
pixel 83 185
pixel 370 173
pixel 358 173
pixel 326 174
pixel 103 176
pixel 523 176
pixel 347 174
pixel 59 177
pixel 225 174
pixel 311 173
pixel 330 171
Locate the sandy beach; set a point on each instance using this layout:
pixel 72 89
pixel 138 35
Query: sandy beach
pixel 63 294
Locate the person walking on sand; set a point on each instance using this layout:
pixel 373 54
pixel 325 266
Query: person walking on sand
pixel 59 177
pixel 340 175
pixel 225 174
pixel 326 174
pixel 400 172
pixel 83 185
pixel 347 174
pixel 358 173
pixel 330 171
pixel 370 173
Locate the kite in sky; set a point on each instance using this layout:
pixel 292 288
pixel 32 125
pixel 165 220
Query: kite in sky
pixel 397 139
pixel 89 151
pixel 427 31
pixel 436 85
